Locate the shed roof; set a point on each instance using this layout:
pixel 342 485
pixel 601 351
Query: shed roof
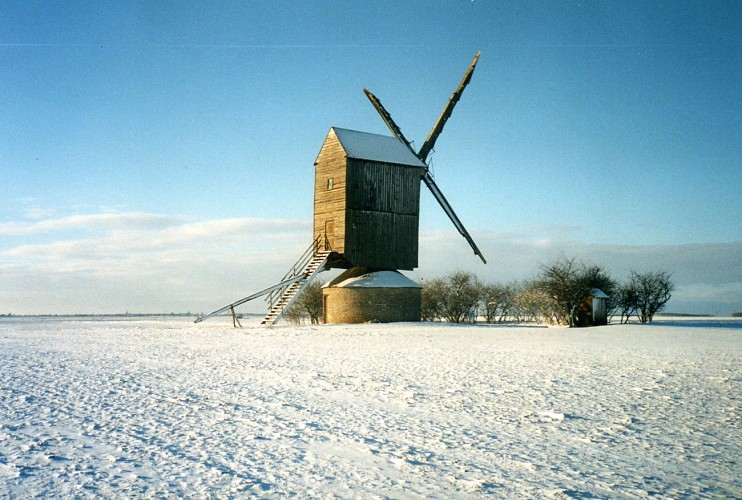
pixel 375 147
pixel 598 293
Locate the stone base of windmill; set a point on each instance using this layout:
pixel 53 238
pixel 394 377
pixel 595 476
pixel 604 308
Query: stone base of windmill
pixel 363 295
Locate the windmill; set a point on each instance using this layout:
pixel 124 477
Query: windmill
pixel 366 220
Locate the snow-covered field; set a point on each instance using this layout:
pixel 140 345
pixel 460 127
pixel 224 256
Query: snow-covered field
pixel 166 408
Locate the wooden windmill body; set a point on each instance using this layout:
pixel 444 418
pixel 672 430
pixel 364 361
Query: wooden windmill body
pixel 366 220
pixel 367 200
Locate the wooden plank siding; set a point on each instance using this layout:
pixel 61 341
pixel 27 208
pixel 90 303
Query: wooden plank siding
pixel 383 204
pixel 382 240
pixel 383 187
pixel 329 201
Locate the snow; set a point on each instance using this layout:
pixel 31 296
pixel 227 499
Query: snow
pixel 365 146
pixel 166 408
pixel 378 279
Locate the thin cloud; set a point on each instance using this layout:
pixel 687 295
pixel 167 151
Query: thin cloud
pixel 57 250
pixel 119 235
pixel 109 263
pixel 191 266
pixel 232 228
pixel 725 293
pixel 100 221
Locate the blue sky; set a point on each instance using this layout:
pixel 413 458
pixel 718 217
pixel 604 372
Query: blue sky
pixel 159 155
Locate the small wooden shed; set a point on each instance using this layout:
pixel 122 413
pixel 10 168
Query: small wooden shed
pixel 593 311
pixel 367 200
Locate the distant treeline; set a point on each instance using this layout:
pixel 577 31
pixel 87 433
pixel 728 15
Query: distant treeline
pixel 687 315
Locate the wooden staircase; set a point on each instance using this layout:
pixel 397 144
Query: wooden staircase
pixel 284 293
pixel 280 300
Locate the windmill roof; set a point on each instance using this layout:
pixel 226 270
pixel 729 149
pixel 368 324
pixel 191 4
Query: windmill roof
pixel 375 147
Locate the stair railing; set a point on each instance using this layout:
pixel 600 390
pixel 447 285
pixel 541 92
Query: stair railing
pixel 322 244
pixel 328 248
pixel 297 268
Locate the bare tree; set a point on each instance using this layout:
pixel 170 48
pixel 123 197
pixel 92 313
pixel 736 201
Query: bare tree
pixel 308 304
pixel 497 301
pixel 532 303
pixel 453 298
pixel 462 296
pixel 626 302
pixel 431 299
pixel 652 290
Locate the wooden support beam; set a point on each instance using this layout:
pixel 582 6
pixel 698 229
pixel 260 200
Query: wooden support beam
pixel 235 321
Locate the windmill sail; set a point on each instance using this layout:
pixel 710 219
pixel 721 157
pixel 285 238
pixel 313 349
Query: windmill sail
pixel 438 127
pixel 428 179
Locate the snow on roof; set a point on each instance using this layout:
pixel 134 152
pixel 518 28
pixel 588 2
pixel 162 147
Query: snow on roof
pixel 598 293
pixel 365 146
pixel 379 279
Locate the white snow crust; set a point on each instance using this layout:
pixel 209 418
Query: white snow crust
pixel 164 408
pixel 378 279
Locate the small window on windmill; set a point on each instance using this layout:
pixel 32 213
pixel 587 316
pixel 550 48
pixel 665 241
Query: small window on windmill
pixel 329 183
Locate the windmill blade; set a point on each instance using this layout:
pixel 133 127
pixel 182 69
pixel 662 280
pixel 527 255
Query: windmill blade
pixel 428 179
pixel 388 120
pixel 438 127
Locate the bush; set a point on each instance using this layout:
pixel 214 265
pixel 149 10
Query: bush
pixel 497 302
pixel 650 291
pixel 307 305
pixel 532 303
pixel 454 298
pixel 431 299
pixel 626 301
pixel 565 283
pixel 554 297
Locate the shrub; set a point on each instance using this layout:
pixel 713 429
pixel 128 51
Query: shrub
pixel 497 302
pixel 651 291
pixel 307 305
pixel 453 298
pixel 565 284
